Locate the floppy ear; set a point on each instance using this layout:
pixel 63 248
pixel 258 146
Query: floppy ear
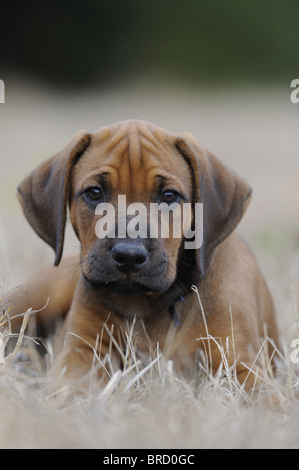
pixel 44 193
pixel 225 197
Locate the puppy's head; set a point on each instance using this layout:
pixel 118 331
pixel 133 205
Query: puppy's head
pixel 102 176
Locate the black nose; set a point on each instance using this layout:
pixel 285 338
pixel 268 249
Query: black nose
pixel 129 256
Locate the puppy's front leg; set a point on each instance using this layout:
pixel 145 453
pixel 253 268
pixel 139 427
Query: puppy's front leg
pixel 87 352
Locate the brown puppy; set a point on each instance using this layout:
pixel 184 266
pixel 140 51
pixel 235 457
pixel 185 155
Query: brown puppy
pixel 147 279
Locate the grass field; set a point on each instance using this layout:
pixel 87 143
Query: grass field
pixel 147 406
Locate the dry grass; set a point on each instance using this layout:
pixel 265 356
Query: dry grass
pixel 147 405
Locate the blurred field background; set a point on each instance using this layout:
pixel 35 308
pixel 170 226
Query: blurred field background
pixel 222 71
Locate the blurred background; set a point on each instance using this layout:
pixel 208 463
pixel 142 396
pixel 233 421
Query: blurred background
pixel 74 44
pixel 221 70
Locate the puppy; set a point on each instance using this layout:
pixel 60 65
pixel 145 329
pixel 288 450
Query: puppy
pixel 212 290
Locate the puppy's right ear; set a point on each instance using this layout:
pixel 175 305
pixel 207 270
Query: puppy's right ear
pixel 44 193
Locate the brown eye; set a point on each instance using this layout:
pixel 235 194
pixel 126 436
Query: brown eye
pixel 93 194
pixel 170 197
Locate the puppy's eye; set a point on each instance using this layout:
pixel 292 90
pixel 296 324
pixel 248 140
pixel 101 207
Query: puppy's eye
pixel 170 197
pixel 93 194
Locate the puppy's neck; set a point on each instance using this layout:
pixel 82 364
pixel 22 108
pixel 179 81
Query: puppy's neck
pixel 141 306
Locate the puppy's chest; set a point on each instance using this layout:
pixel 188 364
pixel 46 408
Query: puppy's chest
pixel 149 335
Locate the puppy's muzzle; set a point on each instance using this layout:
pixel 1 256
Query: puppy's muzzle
pixel 129 255
pixel 127 266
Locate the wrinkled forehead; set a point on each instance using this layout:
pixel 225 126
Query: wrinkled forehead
pixel 132 158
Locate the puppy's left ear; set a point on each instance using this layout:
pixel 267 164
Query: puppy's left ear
pixel 225 197
pixel 44 193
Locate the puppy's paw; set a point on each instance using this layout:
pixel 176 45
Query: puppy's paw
pixel 29 361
